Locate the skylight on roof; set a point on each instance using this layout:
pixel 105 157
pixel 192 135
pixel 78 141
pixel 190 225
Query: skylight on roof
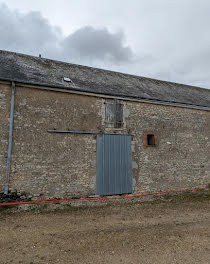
pixel 66 79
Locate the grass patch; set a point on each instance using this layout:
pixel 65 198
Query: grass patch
pixel 201 195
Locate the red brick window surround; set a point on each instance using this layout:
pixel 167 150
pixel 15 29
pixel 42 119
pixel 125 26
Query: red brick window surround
pixel 150 139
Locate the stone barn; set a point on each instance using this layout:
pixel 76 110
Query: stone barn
pixel 74 131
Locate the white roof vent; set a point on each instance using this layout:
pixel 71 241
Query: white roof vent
pixel 66 79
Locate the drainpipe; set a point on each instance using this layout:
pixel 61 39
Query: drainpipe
pixel 11 121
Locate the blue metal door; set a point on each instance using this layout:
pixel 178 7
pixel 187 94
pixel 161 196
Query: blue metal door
pixel 114 164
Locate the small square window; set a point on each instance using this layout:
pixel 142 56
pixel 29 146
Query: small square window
pixel 150 139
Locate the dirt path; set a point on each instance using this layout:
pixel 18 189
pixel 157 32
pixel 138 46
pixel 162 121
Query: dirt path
pixel 149 232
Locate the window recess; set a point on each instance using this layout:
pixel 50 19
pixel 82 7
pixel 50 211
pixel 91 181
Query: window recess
pixel 113 113
pixel 150 139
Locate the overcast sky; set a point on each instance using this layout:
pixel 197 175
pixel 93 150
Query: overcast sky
pixel 162 39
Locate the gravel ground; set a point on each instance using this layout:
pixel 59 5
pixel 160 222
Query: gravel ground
pixel 174 229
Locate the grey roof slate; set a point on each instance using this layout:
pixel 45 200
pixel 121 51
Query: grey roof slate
pixel 30 69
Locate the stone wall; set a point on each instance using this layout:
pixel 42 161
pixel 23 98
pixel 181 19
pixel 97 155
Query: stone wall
pixel 5 97
pixel 52 164
pixel 62 165
pixel 181 157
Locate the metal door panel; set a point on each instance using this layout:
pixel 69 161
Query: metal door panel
pixel 114 164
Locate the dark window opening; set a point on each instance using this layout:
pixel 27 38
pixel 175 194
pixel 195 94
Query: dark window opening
pixel 151 140
pixel 114 113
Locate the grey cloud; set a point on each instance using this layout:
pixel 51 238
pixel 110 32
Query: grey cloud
pixel 28 33
pixel 31 33
pixel 99 44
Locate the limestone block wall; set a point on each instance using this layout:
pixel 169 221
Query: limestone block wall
pixel 5 97
pixel 182 154
pixel 54 165
pixel 63 165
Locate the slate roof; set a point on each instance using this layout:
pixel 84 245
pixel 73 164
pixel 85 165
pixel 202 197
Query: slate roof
pixel 29 69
